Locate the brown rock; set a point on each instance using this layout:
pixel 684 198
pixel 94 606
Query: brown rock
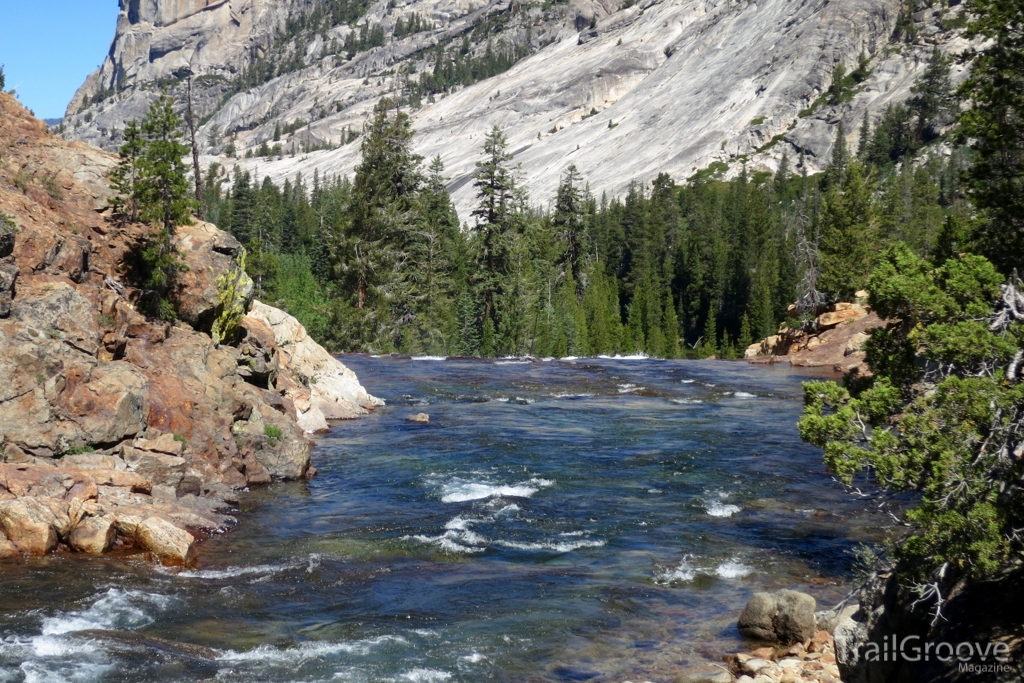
pixel 7 549
pixel 764 653
pixel 843 313
pixel 93 535
pixel 172 545
pixel 165 443
pixel 29 524
pixel 35 480
pixel 255 473
pixel 82 490
pixel 209 253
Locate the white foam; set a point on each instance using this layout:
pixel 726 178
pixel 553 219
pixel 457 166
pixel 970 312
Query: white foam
pixel 654 491
pixel 425 676
pixel 687 381
pixel 632 356
pixel 686 401
pixel 684 573
pixel 629 388
pixel 449 542
pixel 558 547
pixel 428 357
pixel 513 362
pixel 116 610
pixel 744 394
pixel 56 671
pixel 566 395
pixel 57 646
pixel 307 651
pixel 461 490
pixel 474 658
pixel 233 572
pixel 570 358
pixel 717 508
pixel 733 569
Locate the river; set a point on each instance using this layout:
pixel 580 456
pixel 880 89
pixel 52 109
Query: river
pixel 576 520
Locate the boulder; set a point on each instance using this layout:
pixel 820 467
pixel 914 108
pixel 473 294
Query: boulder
pixel 93 535
pixel 333 388
pixel 29 524
pixel 159 468
pixel 313 421
pixel 843 312
pixel 172 545
pixel 419 418
pixel 209 253
pixel 108 402
pixel 785 617
pixel 856 343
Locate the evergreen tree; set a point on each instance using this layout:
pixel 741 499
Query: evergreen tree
pixel 569 225
pixel 933 102
pixel 386 183
pixel 995 125
pixel 125 176
pixel 499 203
pixel 848 236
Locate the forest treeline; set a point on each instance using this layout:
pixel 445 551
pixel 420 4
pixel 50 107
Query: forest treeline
pixel 380 263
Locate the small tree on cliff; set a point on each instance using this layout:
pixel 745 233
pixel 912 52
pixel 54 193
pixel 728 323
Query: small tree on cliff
pixel 152 184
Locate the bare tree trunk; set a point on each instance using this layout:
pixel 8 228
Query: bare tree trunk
pixel 195 154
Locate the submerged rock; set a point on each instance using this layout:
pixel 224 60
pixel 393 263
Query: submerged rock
pixel 419 418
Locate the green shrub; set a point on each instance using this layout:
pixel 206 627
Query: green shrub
pixel 273 433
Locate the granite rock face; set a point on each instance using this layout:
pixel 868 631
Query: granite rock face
pixel 116 430
pixel 623 92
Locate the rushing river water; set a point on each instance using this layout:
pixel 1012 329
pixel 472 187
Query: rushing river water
pixel 590 520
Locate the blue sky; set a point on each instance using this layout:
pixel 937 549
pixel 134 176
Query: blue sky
pixel 48 47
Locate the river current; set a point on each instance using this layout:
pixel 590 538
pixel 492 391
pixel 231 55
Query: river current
pixel 576 520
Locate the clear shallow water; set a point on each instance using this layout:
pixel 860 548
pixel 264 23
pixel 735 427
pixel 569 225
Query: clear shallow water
pixel 592 520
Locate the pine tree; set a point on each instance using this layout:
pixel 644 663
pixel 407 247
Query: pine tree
pixel 994 124
pixel 848 236
pixel 499 203
pixel 569 227
pixel 933 102
pixel 125 176
pixel 386 183
pixel 160 190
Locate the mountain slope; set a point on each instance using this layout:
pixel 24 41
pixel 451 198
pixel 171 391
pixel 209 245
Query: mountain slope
pixel 623 92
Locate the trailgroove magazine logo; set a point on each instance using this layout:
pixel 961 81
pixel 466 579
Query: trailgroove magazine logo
pixel 974 657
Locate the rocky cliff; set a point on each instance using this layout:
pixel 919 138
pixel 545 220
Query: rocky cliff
pixel 117 431
pixel 622 90
pixel 834 339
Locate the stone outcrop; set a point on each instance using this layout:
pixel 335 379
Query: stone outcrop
pixel 834 339
pixel 324 384
pixel 622 90
pixel 118 431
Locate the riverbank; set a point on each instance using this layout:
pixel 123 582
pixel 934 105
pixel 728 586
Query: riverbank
pixel 120 432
